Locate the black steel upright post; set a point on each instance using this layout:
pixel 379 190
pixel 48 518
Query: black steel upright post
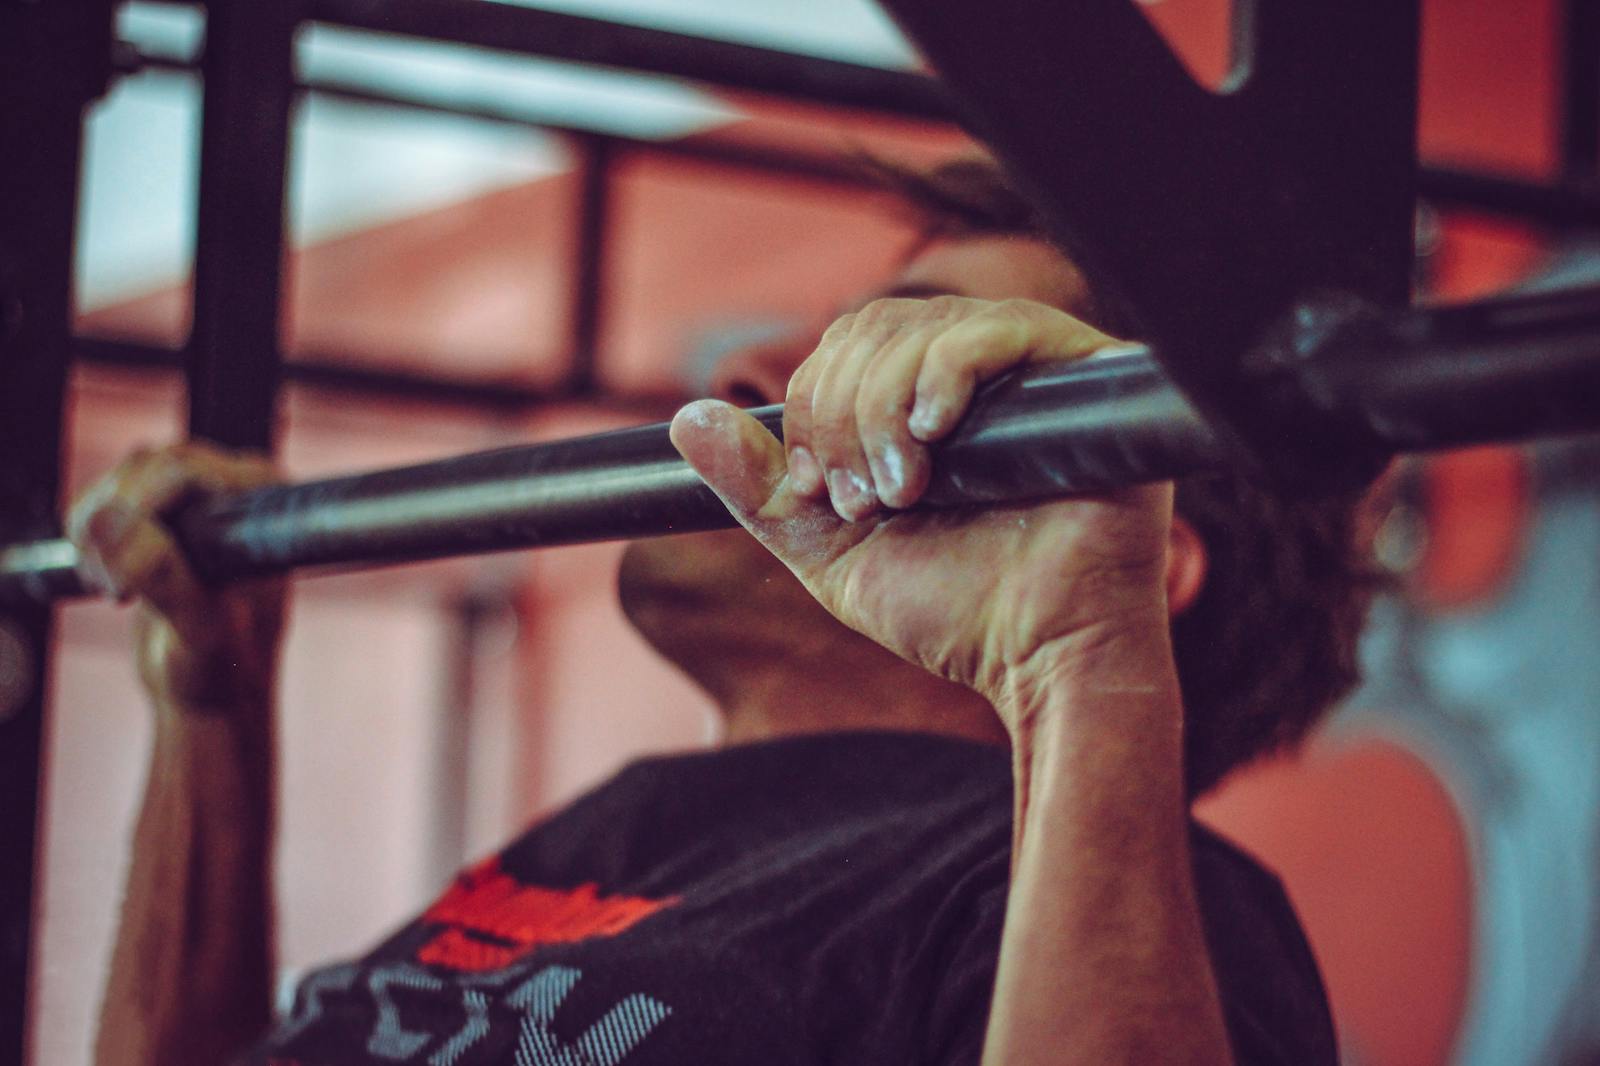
pixel 1580 91
pixel 588 276
pixel 234 356
pixel 54 59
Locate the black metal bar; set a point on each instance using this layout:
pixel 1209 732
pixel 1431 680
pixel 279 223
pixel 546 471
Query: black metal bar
pixel 555 35
pixel 54 59
pixel 1111 420
pixel 589 268
pixel 1580 91
pixel 1507 369
pixel 247 69
pixel 1558 206
pixel 1209 215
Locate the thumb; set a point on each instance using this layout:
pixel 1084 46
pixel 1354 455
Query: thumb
pixel 734 455
pixel 746 467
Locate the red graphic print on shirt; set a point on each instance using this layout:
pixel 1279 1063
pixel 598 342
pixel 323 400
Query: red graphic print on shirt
pixel 492 919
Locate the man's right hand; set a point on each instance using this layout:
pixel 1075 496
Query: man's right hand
pixel 191 974
pixel 199 647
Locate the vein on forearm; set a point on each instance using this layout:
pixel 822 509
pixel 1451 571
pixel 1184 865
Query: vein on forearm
pixel 191 971
pixel 1103 958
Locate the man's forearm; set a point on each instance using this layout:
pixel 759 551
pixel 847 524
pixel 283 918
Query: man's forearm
pixel 191 974
pixel 1103 958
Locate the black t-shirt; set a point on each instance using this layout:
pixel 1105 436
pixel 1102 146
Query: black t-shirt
pixel 831 899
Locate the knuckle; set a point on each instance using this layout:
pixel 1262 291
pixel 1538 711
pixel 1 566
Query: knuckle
pixel 996 330
pixel 1016 307
pixel 798 394
pixel 876 311
pixel 879 404
pixel 891 310
pixel 838 331
pixel 944 353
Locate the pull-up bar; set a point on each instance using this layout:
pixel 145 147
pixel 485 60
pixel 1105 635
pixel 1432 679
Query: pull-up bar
pixel 1505 369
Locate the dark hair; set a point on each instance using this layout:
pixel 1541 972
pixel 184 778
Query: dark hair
pixel 1270 643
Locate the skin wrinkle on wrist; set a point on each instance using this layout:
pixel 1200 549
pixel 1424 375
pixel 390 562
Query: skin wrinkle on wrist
pixel 1121 655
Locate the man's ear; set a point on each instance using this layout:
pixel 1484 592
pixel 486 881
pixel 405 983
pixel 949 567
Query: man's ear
pixel 1186 567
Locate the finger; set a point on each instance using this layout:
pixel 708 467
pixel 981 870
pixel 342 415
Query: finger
pixel 898 461
pixel 216 470
pixel 149 565
pixel 120 523
pixel 833 429
pixel 805 472
pixel 744 465
pixel 118 510
pixel 984 346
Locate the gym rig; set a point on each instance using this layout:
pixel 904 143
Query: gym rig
pixel 1298 356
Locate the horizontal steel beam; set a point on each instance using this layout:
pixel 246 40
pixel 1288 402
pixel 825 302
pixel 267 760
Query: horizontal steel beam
pixel 344 375
pixel 1506 369
pixel 718 149
pixel 1554 205
pixel 1560 206
pixel 577 39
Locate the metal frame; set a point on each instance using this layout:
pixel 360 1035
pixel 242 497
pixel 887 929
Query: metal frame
pixel 1580 93
pixel 232 356
pixel 1223 214
pixel 1567 204
pixel 594 42
pixel 54 59
pixel 1505 369
pixel 1106 179
pixel 592 220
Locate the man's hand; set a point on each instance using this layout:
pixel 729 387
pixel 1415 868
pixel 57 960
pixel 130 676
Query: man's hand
pixel 198 647
pixel 191 974
pixel 1056 612
pixel 980 597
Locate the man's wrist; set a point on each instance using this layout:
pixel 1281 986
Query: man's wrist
pixel 1128 655
pixel 1100 696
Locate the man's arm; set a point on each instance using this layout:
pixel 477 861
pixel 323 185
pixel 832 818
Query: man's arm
pixel 1056 612
pixel 1102 955
pixel 191 973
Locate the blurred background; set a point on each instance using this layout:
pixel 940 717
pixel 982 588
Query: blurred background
pixel 475 234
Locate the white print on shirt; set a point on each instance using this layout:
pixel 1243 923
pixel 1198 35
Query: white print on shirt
pixel 534 997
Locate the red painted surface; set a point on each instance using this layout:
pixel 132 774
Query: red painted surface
pixel 1374 856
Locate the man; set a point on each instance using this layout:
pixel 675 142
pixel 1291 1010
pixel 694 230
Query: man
pixel 953 828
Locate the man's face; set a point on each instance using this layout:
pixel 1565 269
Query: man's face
pixel 729 572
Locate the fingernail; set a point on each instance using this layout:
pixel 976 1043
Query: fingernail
pixel 804 473
pixel 94 575
pixel 925 418
pixel 110 523
pixel 889 473
pixel 852 496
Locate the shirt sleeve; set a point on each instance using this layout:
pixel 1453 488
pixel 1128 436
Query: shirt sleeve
pixel 1273 1000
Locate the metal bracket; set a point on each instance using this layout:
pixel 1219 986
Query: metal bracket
pixel 1207 216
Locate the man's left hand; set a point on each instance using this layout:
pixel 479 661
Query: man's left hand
pixel 983 597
